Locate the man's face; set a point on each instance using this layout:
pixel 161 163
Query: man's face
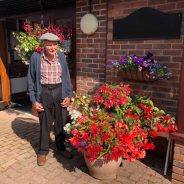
pixel 50 47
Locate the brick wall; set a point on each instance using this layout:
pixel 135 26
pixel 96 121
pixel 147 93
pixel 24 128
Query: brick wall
pixel 91 49
pixel 178 164
pixel 168 52
pixel 95 53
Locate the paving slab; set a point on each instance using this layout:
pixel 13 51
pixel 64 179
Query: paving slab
pixel 19 137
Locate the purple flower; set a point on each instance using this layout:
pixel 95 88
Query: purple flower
pixel 140 61
pixel 83 143
pixel 123 60
pixel 148 56
pixel 115 63
pixel 135 59
pixel 145 64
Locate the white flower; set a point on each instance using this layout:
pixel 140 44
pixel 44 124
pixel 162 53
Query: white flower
pixel 75 114
pixel 67 128
pixel 72 99
pixel 26 49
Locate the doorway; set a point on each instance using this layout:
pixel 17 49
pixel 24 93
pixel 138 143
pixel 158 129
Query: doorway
pixel 18 69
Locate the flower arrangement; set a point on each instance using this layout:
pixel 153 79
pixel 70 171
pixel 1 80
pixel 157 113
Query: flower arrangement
pixel 146 64
pixel 28 41
pixel 112 124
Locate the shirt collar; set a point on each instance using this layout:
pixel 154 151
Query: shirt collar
pixel 44 57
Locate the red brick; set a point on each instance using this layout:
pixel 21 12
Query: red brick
pixel 161 46
pixel 143 46
pixel 179 150
pixel 172 65
pixel 85 9
pixel 178 164
pixel 178 170
pixel 127 46
pixel 81 3
pixel 178 59
pixel 178 177
pixel 136 52
pixel 177 46
pixel 179 145
pixel 168 6
pixel 153 2
pixel 114 46
pixel 180 5
pixel 173 52
pixel 179 157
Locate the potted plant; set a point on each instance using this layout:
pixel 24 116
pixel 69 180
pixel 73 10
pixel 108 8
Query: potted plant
pixel 111 125
pixel 28 41
pixel 141 68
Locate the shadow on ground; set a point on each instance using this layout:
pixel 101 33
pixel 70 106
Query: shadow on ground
pixel 77 161
pixel 157 162
pixel 28 129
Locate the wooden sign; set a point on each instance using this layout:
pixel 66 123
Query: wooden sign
pixel 148 23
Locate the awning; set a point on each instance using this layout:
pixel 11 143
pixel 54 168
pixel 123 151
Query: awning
pixel 13 7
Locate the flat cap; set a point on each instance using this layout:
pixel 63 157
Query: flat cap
pixel 49 36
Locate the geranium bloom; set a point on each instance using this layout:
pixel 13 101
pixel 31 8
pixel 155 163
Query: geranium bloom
pixel 154 133
pixel 39 49
pixel 113 124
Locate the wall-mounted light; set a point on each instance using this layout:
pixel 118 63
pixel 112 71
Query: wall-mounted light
pixel 89 22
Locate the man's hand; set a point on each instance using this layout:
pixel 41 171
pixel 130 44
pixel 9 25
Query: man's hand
pixel 38 107
pixel 65 102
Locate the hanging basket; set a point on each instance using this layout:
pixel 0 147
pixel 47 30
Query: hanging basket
pixel 135 75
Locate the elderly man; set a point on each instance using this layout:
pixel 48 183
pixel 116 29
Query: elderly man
pixel 50 90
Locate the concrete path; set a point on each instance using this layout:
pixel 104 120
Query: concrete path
pixel 19 135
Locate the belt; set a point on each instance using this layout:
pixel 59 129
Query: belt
pixel 51 86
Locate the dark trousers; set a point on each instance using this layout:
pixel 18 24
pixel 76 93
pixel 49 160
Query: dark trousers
pixel 50 99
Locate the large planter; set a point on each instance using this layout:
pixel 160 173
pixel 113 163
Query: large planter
pixel 102 169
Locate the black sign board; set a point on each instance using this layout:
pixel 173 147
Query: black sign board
pixel 148 23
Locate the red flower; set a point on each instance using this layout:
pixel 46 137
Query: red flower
pixel 113 124
pixel 153 133
pixel 149 146
pixel 162 128
pixel 74 141
pixel 84 135
pixel 147 110
pixel 75 132
pixel 39 49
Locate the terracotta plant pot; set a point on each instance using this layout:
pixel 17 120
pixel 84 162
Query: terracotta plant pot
pixel 102 169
